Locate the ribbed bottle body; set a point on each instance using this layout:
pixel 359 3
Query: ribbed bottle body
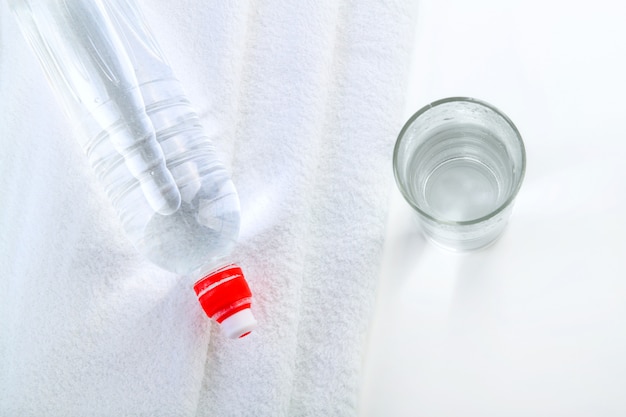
pixel 206 225
pixel 142 137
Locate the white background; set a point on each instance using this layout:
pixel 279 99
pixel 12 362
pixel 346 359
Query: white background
pixel 535 325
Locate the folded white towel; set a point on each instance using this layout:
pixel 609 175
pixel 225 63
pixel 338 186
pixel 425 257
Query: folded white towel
pixel 304 100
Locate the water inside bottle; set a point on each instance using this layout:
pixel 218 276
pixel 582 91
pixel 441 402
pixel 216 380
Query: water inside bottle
pixel 204 228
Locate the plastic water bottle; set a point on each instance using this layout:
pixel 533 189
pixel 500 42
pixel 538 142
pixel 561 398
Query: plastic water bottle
pixel 174 197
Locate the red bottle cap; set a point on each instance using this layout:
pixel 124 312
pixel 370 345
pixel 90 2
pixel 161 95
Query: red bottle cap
pixel 225 297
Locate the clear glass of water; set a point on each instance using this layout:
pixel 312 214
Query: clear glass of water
pixel 459 162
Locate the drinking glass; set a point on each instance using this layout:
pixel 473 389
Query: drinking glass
pixel 460 162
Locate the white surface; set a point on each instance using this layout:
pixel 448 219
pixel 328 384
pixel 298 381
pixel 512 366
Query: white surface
pixel 535 325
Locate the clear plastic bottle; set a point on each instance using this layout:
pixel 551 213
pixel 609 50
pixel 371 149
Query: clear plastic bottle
pixel 144 141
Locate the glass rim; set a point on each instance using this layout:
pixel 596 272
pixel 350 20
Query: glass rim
pixel 429 107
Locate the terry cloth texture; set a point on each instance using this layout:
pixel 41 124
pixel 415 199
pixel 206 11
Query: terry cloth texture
pixel 304 100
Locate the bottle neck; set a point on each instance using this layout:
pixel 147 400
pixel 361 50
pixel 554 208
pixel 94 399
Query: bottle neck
pixel 210 268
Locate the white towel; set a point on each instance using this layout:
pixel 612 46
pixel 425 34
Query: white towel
pixel 305 100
